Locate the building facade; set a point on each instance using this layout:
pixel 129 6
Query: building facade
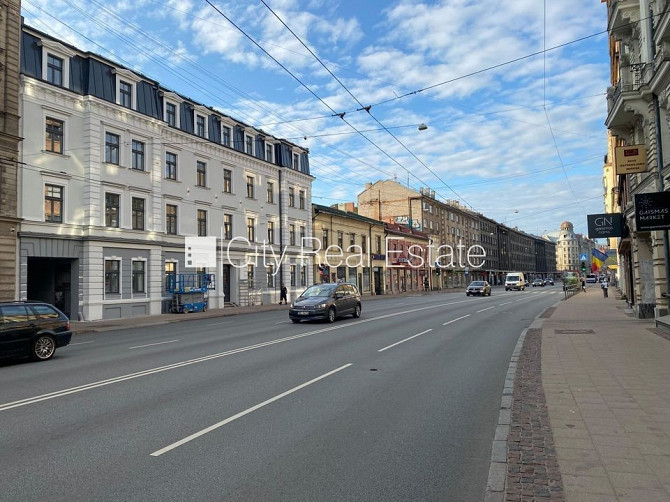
pixel 349 247
pixel 407 260
pixel 638 104
pixel 118 171
pixel 10 28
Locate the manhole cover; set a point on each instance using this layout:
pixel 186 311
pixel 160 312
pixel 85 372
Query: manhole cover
pixel 574 332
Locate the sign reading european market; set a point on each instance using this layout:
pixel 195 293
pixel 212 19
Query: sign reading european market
pixel 604 225
pixel 630 159
pixel 652 211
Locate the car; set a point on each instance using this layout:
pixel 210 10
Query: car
pixel 515 280
pixel 481 288
pixel 32 329
pixel 549 281
pixel 538 282
pixel 591 278
pixel 326 301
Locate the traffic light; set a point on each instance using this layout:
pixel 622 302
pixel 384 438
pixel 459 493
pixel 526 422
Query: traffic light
pixel 437 270
pixel 583 267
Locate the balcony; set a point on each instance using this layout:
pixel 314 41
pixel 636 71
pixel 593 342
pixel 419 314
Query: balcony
pixel 621 14
pixel 630 97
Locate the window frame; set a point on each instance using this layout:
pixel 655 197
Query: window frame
pixel 251 229
pixel 53 134
pixel 112 150
pixel 137 213
pixel 171 167
pixel 271 232
pixel 125 92
pixel 171 114
pixel 53 70
pixel 200 127
pixel 226 132
pixel 112 210
pixel 248 144
pixel 201 218
pixel 134 276
pixel 201 174
pixel 227 181
pixel 52 200
pixel 112 274
pixel 137 151
pixel 251 188
pixel 269 151
pixel 291 235
pixel 291 197
pixel 227 226
pixel 301 199
pixel 270 192
pixel 171 219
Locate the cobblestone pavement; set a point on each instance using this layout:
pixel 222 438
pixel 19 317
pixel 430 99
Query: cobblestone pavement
pixel 532 466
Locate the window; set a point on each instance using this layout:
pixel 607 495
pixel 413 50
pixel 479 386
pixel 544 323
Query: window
pixel 251 230
pixel 250 187
pixel 271 232
pixel 171 219
pixel 250 276
pixel 291 235
pixel 303 276
pixel 268 153
pixel 138 276
pixel 291 197
pixel 14 313
pixel 171 114
pixel 270 269
pixel 296 162
pixel 225 135
pixel 200 126
pixel 249 145
pixel 271 192
pixel 125 94
pixel 340 240
pixel 171 166
pixel 379 244
pixel 228 226
pixel 112 272
pixel 112 143
pixel 325 238
pixel 352 239
pixel 301 196
pixel 364 244
pixel 302 235
pixel 137 155
pixel 54 135
pixel 227 181
pixel 170 274
pixel 112 210
pixel 54 70
pixel 292 273
pixel 46 312
pixel 138 213
pixel 202 223
pixel 53 203
pixel 201 174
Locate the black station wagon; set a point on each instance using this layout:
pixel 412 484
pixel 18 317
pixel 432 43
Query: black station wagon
pixel 32 329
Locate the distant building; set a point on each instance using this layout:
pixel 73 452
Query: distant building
pixel 571 247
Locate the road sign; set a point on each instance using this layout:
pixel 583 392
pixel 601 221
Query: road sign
pixel 582 257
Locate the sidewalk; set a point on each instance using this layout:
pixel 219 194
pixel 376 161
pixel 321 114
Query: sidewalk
pixel 85 327
pixel 606 380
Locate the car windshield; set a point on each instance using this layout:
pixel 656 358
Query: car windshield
pixel 512 277
pixel 318 290
pixel 477 283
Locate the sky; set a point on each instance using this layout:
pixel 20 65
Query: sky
pixel 512 93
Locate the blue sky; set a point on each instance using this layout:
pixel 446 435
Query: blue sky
pixel 521 142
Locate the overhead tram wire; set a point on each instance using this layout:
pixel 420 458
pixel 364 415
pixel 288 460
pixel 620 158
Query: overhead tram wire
pixel 341 115
pixel 364 107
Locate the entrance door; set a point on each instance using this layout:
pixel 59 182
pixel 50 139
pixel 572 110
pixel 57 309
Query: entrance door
pixel 225 281
pixel 378 282
pixel 50 280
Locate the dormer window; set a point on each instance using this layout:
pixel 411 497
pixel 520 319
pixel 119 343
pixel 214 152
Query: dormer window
pixel 171 114
pixel 200 125
pixel 125 83
pixel 54 70
pixel 225 135
pixel 171 105
pixel 296 162
pixel 249 145
pixel 126 94
pixel 200 121
pixel 56 63
pixel 268 153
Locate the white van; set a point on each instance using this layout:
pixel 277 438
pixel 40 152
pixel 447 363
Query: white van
pixel 515 280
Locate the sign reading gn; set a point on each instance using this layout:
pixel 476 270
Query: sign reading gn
pixel 604 225
pixel 652 211
pixel 630 159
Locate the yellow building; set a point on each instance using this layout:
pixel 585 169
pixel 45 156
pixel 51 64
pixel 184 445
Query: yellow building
pixel 348 248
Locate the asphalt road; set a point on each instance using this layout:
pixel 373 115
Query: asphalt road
pixel 398 405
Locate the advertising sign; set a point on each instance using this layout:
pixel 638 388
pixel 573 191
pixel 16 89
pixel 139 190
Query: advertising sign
pixel 604 225
pixel 405 220
pixel 630 159
pixel 652 211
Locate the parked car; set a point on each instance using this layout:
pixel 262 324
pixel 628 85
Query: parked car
pixel 481 288
pixel 549 281
pixel 326 301
pixel 538 282
pixel 32 329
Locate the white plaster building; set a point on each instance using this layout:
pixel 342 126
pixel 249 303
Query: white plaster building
pixel 118 170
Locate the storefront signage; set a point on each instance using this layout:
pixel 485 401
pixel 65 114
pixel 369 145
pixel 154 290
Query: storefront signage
pixel 630 159
pixel 652 211
pixel 604 225
pixel 378 256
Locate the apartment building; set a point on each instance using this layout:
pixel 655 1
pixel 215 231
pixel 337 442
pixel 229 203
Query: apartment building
pixel 117 171
pixel 638 103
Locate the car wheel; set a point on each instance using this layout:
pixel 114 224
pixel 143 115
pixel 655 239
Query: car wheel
pixel 357 311
pixel 295 321
pixel 467 294
pixel 331 314
pixel 43 348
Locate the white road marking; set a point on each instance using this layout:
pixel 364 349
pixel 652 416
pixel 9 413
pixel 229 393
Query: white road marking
pixel 487 308
pixel 82 343
pixel 506 303
pixel 151 344
pixel 219 323
pixel 406 339
pixel 282 322
pixel 168 448
pixel 160 369
pixel 457 319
